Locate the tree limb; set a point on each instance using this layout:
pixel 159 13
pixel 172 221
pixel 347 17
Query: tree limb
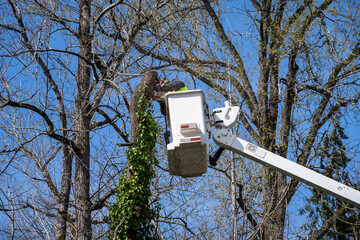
pixel 111 122
pixel 328 224
pixel 101 202
pixel 51 131
pixel 250 95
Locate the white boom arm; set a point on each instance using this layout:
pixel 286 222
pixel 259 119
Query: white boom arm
pixel 225 139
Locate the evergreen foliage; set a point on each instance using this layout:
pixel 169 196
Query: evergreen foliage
pixel 321 206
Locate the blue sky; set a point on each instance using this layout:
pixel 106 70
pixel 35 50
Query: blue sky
pixel 241 30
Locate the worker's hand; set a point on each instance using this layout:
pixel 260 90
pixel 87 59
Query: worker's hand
pixel 163 82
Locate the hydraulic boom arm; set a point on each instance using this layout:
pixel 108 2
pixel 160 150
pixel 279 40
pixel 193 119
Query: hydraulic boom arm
pixel 230 142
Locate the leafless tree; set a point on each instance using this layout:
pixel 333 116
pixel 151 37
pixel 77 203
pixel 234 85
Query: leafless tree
pixel 67 73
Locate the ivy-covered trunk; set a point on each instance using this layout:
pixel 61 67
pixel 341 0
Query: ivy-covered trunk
pixel 130 217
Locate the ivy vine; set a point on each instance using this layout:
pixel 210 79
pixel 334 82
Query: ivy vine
pixel 130 216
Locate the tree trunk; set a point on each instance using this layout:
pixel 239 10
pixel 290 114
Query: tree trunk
pixel 233 197
pixel 82 156
pixel 144 88
pixel 274 205
pixel 63 205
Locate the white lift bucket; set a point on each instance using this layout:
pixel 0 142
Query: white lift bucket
pixel 187 116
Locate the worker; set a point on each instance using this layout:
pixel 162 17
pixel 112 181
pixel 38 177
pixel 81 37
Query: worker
pixel 167 86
